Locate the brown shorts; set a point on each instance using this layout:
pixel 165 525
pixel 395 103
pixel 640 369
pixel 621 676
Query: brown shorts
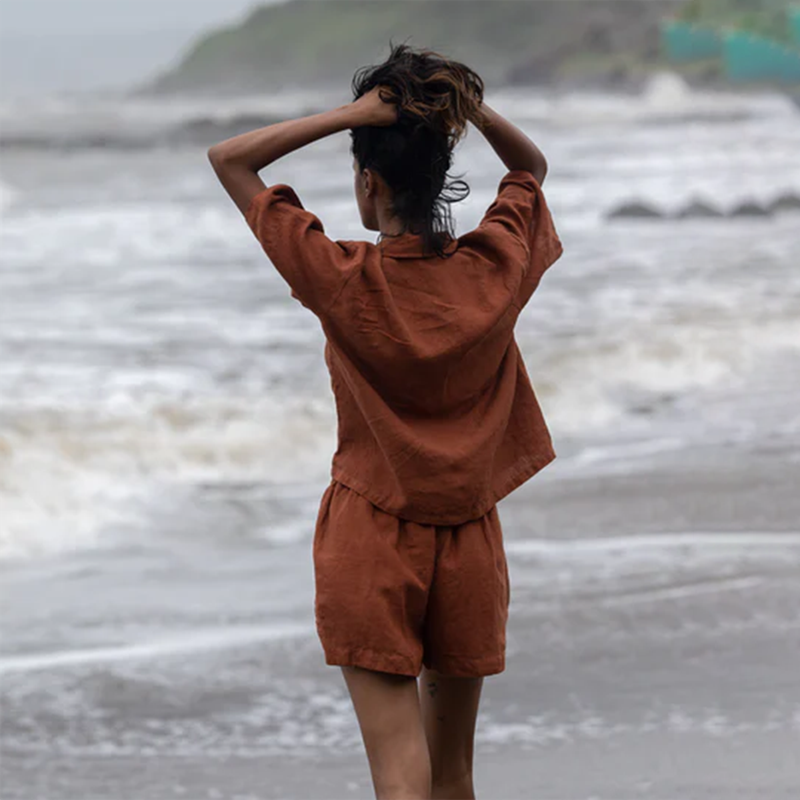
pixel 392 594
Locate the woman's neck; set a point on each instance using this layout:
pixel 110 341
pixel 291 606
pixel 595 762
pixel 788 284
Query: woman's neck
pixel 389 224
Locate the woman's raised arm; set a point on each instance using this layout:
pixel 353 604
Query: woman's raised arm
pixel 237 161
pixel 513 147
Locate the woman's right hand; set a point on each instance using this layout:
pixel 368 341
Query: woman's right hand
pixel 512 145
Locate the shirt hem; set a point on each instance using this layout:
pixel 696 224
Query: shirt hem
pixel 521 473
pixel 524 472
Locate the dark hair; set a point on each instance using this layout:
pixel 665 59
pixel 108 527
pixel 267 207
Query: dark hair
pixel 435 99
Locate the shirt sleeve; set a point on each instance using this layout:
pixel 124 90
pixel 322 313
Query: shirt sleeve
pixel 519 225
pixel 315 267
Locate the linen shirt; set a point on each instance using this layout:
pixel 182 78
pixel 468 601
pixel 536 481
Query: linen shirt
pixel 437 416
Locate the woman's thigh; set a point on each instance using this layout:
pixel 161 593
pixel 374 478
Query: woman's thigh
pixel 467 612
pixel 372 576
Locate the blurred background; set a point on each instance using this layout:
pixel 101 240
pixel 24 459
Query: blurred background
pixel 167 424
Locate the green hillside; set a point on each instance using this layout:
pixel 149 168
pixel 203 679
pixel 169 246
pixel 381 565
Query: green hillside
pixel 507 41
pixel 606 43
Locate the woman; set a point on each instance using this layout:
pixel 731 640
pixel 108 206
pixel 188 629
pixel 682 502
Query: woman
pixel 437 417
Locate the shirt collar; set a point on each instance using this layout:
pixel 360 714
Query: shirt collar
pixel 409 245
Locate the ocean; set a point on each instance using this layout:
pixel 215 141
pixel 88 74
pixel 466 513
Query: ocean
pixel 167 424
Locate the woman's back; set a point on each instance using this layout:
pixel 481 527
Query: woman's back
pixel 437 416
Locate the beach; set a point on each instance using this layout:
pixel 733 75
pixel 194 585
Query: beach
pixel 650 655
pixel 166 429
pixel 646 664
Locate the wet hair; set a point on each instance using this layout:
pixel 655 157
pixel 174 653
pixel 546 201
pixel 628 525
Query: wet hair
pixel 435 98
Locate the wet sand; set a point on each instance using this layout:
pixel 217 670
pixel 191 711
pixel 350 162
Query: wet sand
pixel 653 652
pixel 627 767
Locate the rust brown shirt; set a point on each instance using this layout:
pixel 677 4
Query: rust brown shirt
pixel 437 417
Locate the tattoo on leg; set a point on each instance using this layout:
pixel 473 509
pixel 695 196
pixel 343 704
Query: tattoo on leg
pixel 432 688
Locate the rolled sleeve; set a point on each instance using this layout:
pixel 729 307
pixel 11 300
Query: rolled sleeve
pixel 315 267
pixel 519 220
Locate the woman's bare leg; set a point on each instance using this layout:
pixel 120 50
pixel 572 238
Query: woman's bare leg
pixel 450 712
pixel 388 710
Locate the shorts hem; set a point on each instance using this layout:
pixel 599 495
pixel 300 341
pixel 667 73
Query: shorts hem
pixel 395 663
pixel 464 667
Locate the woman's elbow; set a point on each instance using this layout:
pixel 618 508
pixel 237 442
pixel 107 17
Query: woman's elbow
pixel 537 167
pixel 217 156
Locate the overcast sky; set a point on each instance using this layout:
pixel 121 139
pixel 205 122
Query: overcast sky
pixel 73 16
pixel 51 45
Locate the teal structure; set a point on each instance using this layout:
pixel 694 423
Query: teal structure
pixel 794 23
pixel 682 42
pixel 748 57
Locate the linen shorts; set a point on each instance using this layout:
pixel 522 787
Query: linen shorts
pixel 392 594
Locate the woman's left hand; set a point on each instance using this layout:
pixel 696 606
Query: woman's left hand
pixel 373 110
